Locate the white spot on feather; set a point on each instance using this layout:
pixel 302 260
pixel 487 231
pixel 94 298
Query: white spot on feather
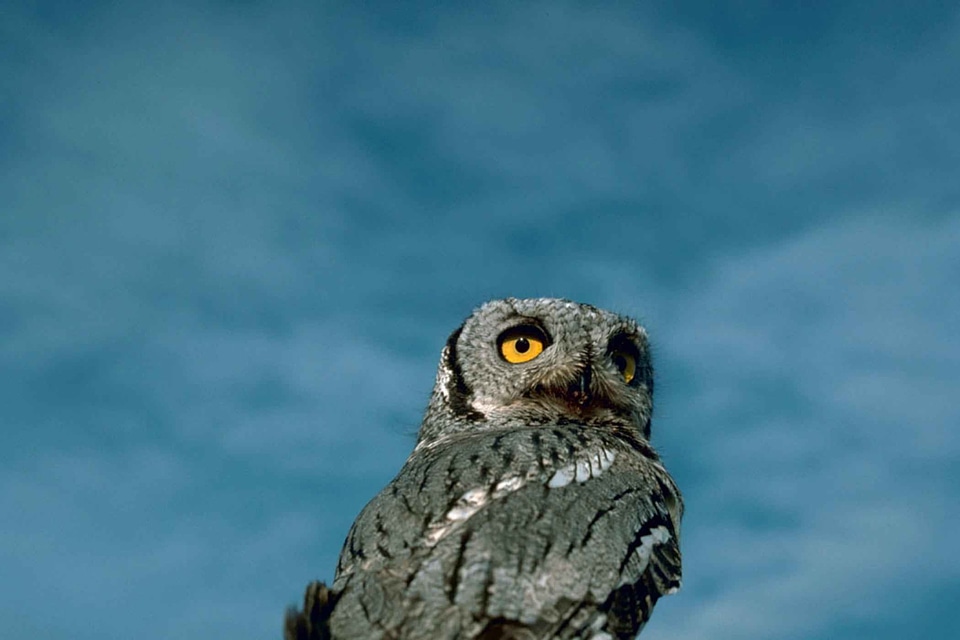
pixel 507 485
pixel 444 375
pixel 562 477
pixel 658 535
pixel 583 469
pixel 596 464
pixel 468 504
pixel 608 458
pixel 436 534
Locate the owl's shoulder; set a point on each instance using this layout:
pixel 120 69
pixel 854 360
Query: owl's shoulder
pixel 490 475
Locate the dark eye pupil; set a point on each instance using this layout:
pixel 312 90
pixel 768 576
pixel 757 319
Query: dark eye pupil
pixel 620 362
pixel 522 345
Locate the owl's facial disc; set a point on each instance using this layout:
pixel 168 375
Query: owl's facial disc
pixel 542 361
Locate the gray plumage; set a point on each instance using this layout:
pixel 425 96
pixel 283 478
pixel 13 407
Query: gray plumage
pixel 533 505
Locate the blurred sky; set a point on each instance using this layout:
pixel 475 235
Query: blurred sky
pixel 234 237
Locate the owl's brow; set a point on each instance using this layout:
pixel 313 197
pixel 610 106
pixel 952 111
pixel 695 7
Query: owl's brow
pixel 518 319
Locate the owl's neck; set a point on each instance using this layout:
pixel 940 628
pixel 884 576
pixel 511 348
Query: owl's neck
pixel 445 420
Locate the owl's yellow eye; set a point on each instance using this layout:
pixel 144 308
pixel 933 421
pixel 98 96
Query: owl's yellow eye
pixel 522 344
pixel 626 364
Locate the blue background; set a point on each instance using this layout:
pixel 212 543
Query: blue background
pixel 234 237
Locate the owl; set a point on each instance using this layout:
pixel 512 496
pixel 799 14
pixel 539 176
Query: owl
pixel 533 505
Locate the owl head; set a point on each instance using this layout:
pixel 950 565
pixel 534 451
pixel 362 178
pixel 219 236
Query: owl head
pixel 541 361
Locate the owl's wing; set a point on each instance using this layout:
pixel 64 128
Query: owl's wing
pixel 650 563
pixel 582 553
pixel 567 539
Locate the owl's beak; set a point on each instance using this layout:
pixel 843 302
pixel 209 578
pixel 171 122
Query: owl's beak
pixel 580 389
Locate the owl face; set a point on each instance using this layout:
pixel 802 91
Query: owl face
pixel 543 361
